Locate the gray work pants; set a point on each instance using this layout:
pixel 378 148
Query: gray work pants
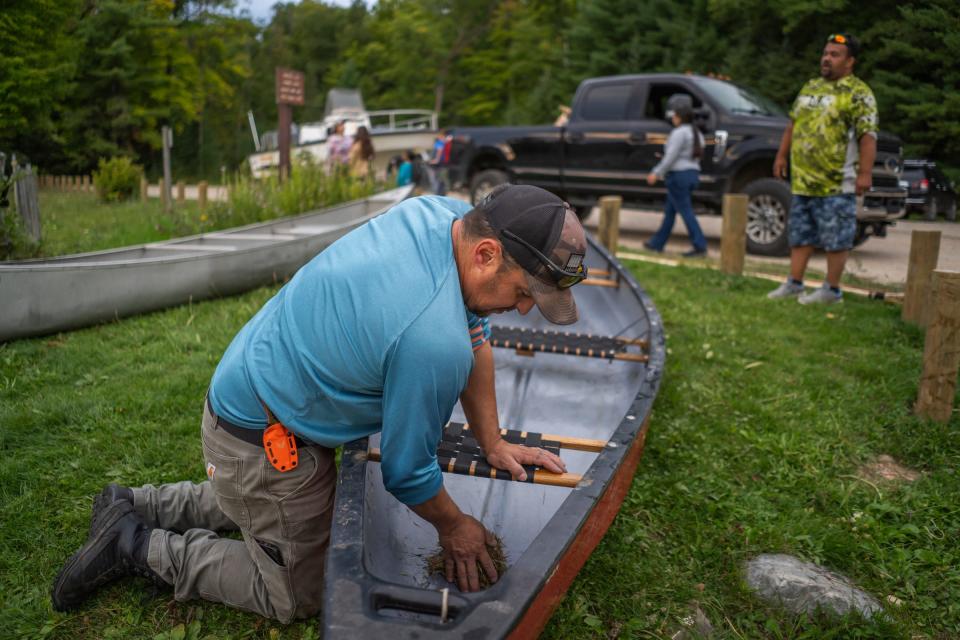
pixel 277 569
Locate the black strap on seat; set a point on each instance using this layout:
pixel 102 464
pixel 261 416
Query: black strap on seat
pixel 564 342
pixel 459 452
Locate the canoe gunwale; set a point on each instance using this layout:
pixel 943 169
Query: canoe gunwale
pixel 350 604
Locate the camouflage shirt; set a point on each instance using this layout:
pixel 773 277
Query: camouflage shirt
pixel 829 118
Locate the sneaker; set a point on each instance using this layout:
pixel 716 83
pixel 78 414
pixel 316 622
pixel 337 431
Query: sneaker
pixel 823 295
pixel 695 253
pixel 649 246
pixel 788 289
pixel 117 547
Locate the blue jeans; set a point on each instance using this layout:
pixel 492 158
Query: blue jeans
pixel 680 186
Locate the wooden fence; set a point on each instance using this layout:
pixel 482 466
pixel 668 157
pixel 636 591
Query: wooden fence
pixel 27 202
pixel 66 183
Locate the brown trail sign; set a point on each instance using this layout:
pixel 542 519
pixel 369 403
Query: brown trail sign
pixel 289 93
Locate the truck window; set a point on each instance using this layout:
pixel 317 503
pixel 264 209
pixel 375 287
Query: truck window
pixel 659 94
pixel 610 102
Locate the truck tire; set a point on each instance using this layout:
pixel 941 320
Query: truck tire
pixel 484 182
pixel 767 212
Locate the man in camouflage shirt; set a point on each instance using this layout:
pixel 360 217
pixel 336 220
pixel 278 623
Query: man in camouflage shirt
pixel 831 142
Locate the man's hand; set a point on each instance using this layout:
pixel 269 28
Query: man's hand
pixel 864 182
pixel 651 179
pixel 464 544
pixel 780 167
pixel 510 457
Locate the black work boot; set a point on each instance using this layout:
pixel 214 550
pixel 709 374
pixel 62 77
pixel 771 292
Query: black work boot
pixel 117 547
pixel 111 493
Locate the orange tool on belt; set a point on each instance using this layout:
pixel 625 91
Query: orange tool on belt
pixel 279 444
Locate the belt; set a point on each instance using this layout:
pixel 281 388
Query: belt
pixel 248 435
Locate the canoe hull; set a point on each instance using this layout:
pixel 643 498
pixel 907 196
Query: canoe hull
pixel 68 292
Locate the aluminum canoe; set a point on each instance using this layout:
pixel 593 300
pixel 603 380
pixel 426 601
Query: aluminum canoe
pixel 45 296
pixel 377 581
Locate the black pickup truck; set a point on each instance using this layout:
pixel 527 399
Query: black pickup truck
pixel 615 136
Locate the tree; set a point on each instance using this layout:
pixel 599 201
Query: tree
pixel 36 62
pixel 135 74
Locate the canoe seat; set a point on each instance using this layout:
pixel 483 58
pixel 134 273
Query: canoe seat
pixel 529 341
pixel 459 452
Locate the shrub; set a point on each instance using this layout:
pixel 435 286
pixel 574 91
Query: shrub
pixel 117 179
pixel 15 242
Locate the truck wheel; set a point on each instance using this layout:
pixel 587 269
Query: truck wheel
pixel 767 212
pixel 951 213
pixel 930 213
pixel 484 182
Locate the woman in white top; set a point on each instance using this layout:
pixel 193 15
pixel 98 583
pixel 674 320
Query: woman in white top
pixel 680 170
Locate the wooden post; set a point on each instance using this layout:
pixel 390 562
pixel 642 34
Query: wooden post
pixel 181 191
pixel 202 196
pixel 733 239
pixel 143 189
pixel 75 183
pixel 163 196
pixel 609 230
pixel 924 253
pixel 941 352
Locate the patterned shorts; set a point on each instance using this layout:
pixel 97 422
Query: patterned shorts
pixel 827 222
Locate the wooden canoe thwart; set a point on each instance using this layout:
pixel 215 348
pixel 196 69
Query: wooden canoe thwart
pixel 587 398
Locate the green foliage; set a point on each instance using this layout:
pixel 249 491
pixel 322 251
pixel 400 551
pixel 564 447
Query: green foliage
pixel 117 179
pixel 15 242
pixel 308 188
pixel 83 80
pixel 37 61
pixel 134 75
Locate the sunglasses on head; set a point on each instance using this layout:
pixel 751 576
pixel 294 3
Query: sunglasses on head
pixel 563 278
pixel 839 38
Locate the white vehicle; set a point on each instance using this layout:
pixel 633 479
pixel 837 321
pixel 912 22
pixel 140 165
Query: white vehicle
pixel 393 132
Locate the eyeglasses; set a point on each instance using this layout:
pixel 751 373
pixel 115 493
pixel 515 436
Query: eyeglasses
pixel 839 38
pixel 563 278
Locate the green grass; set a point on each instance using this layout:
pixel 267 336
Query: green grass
pixel 741 458
pixel 78 222
pixel 75 222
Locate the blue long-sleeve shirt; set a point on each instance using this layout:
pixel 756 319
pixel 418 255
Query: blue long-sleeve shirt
pixel 371 335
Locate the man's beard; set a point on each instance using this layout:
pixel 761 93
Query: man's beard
pixel 489 287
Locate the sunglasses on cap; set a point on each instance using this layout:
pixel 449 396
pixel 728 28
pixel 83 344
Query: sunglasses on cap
pixel 563 278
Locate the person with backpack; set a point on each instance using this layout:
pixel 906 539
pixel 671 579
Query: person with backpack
pixel 680 170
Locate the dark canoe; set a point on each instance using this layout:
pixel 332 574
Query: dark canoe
pixel 67 292
pixel 377 584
